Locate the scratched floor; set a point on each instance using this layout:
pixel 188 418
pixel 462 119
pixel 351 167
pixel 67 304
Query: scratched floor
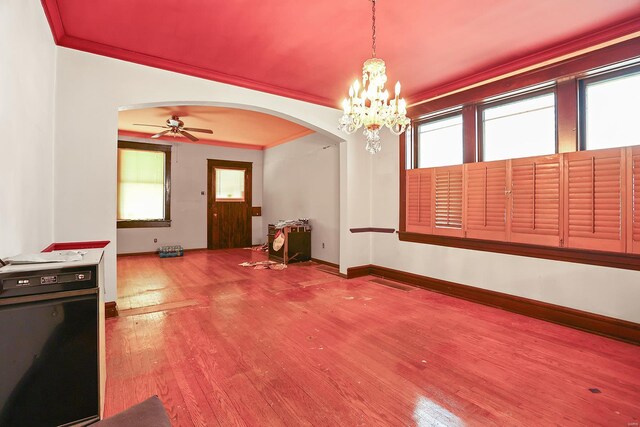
pixel 224 345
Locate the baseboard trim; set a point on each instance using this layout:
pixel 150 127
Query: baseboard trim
pixel 330 264
pixel 110 309
pixel 359 271
pixel 594 323
pixel 136 253
pixel 156 252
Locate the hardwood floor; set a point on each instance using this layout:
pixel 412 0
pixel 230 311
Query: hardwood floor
pixel 225 345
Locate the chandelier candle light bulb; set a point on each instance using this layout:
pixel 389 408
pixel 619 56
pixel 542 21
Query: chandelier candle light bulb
pixel 373 109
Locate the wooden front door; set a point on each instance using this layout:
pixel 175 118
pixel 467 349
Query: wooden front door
pixel 229 204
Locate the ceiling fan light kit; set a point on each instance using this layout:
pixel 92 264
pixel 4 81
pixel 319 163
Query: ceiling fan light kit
pixel 372 107
pixel 175 127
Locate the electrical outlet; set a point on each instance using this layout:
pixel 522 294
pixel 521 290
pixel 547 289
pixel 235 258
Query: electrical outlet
pixel 322 245
pixel 155 240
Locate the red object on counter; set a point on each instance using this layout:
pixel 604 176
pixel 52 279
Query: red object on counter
pixel 97 244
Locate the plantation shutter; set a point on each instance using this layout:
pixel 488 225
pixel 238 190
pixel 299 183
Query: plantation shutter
pixel 633 207
pixel 486 200
pixel 594 200
pixel 447 200
pixel 419 200
pixel 536 210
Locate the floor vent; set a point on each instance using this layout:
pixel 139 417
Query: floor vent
pixel 157 307
pixel 394 285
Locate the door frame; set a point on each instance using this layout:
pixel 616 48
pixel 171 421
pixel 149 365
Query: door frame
pixel 211 192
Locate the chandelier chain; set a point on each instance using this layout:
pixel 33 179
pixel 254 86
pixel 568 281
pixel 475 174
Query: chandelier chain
pixel 373 26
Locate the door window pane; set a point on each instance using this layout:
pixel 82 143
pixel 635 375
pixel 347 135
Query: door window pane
pixel 521 128
pixel 440 142
pixel 141 179
pixel 230 185
pixel 612 112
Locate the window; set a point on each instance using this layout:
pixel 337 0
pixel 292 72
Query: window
pixel 610 110
pixel 144 174
pixel 440 142
pixel 229 185
pixel 549 168
pixel 519 128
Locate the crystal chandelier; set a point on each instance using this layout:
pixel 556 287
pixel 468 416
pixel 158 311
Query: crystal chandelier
pixel 372 107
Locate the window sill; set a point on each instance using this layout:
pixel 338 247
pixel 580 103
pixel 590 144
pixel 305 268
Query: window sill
pixel 606 259
pixel 143 223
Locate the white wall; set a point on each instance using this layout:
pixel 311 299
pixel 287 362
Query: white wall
pixel 355 202
pixel 607 291
pixel 27 77
pixel 188 205
pixel 89 91
pixel 302 180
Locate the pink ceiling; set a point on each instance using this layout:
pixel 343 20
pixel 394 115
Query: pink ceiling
pixel 313 50
pixel 231 126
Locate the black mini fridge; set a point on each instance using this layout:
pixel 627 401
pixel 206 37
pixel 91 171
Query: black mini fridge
pixel 49 345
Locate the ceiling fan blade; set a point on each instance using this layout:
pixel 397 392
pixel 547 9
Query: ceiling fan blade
pixel 158 135
pixel 154 126
pixel 188 135
pixel 198 130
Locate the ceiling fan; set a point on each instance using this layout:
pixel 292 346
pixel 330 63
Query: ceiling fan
pixel 175 126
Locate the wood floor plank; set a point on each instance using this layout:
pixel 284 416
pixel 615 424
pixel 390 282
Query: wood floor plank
pixel 236 346
pixel 303 369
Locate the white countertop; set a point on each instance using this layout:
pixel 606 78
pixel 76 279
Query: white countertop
pixel 89 257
